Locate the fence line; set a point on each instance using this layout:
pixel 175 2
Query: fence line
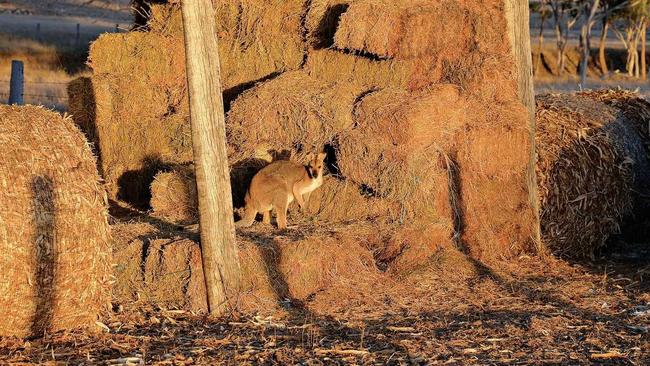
pixel 39 82
pixel 57 97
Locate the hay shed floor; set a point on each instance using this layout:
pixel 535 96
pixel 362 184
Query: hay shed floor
pixel 460 312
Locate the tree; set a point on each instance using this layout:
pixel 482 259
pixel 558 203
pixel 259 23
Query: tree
pixel 590 8
pixel 218 249
pixel 630 25
pixel 565 15
pixel 544 11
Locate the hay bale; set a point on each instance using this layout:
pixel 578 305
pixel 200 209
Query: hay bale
pixel 168 271
pixel 174 197
pixel 493 153
pixel 336 66
pixel 303 263
pixel 587 156
pixel 398 146
pixel 54 234
pixel 139 107
pixel 406 29
pixel 291 112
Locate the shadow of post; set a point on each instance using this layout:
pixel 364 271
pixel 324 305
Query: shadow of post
pixel 45 253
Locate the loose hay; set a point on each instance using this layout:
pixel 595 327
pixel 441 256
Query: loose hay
pixel 54 234
pixel 585 172
pixel 174 196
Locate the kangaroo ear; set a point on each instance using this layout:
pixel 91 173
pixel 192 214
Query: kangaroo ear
pixel 321 156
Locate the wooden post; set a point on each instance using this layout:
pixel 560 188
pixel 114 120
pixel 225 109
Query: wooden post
pixel 17 83
pixel 518 18
pixel 219 252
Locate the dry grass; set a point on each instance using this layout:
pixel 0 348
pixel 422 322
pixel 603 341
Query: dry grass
pixel 54 236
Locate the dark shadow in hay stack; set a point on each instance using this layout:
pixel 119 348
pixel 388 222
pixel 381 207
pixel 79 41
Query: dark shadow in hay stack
pixel 592 169
pixel 54 233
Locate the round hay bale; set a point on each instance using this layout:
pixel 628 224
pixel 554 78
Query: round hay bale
pixel 585 172
pixel 54 233
pixel 174 196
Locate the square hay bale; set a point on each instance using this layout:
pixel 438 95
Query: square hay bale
pixel 493 153
pixel 152 269
pixel 406 29
pixel 54 233
pixel 335 66
pixel 398 148
pixel 293 112
pixel 298 265
pixel 174 196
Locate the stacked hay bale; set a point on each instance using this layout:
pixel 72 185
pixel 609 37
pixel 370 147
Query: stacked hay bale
pixel 422 123
pixel 273 267
pixel 591 163
pixel 54 234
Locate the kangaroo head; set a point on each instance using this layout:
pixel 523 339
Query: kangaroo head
pixel 316 165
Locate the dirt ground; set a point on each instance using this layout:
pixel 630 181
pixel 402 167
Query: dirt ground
pixel 458 311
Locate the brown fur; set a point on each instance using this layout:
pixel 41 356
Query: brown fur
pixel 279 184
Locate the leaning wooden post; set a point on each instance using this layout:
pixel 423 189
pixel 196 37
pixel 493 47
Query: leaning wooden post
pixel 518 18
pixel 17 83
pixel 220 260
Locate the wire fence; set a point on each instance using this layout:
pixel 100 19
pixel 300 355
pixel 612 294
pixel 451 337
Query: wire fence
pixel 39 97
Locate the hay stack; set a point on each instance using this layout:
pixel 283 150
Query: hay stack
pixel 174 196
pixel 588 152
pixel 54 234
pixel 292 112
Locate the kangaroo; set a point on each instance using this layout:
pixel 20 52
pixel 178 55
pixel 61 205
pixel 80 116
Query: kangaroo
pixel 277 185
